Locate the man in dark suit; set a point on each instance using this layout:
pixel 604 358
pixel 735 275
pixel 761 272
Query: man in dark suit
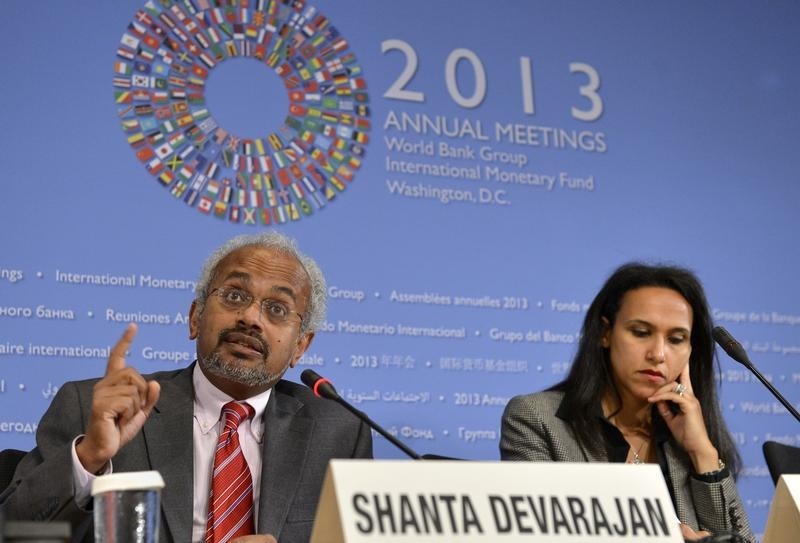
pixel 258 303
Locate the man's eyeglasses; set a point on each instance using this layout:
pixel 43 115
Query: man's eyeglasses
pixel 238 299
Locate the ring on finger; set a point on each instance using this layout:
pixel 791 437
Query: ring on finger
pixel 680 388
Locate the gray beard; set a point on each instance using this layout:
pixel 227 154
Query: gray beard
pixel 253 377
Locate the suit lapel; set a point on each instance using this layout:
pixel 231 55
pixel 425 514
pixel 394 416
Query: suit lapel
pixel 287 439
pixel 169 442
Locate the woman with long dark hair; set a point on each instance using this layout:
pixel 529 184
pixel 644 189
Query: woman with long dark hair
pixel 641 389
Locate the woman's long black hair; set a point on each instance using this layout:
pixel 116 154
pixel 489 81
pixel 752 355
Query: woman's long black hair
pixel 590 375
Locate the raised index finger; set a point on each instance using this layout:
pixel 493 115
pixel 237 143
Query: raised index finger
pixel 116 361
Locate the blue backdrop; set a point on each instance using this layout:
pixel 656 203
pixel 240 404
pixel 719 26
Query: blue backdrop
pixel 467 177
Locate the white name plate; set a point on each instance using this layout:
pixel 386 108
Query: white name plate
pixel 438 501
pixel 783 523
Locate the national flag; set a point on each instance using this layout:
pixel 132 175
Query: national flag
pixel 337 183
pixel 208 125
pixel 178 12
pixel 178 189
pixel 167 127
pixel 205 204
pixel 259 144
pixel 294 124
pixel 280 215
pixel 127 54
pixel 122 68
pixel 166 177
pixel 249 215
pixel 187 152
pixel 145 154
pixel 185 120
pixel 308 184
pixel 206 59
pixel 163 112
pixel 335 156
pixel 191 196
pixel 143 110
pixel 123 97
pixel 174 163
pixel 154 166
pixel 217 52
pixel 213 187
pixel 155 138
pixel 357 150
pixel 275 141
pixel 148 124
pixel 143 17
pixel 129 41
pixel 130 124
pixel 145 54
pixel 125 111
pixel 160 97
pixel 180 107
pixel 164 150
pixel 220 208
pixel 176 140
pixel 339 78
pixel 297 190
pixel 283 177
pixel 265 163
pixel 151 42
pixel 140 81
pixel 159 31
pixel 202 40
pixel 140 95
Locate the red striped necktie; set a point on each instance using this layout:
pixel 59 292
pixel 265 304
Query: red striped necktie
pixel 230 505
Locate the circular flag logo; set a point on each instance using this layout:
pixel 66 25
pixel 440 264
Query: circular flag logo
pixel 163 62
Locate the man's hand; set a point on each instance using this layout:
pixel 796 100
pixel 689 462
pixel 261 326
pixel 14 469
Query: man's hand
pixel 121 402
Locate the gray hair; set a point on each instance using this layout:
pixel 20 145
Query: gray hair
pixel 317 302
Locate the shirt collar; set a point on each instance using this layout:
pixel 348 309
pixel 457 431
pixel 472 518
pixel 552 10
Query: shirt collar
pixel 208 402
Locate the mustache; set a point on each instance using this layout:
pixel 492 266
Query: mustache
pixel 226 335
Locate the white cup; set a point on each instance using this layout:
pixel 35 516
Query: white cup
pixel 127 507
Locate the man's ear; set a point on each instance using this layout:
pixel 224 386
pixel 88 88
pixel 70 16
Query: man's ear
pixel 303 343
pixel 605 338
pixel 194 320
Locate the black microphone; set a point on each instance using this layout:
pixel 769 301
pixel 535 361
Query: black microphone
pixel 737 352
pixel 323 388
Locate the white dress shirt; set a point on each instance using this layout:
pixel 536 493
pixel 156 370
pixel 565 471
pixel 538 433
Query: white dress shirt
pixel 208 402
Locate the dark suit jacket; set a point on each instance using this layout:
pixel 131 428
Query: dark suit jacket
pixel 301 434
pixel 533 430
